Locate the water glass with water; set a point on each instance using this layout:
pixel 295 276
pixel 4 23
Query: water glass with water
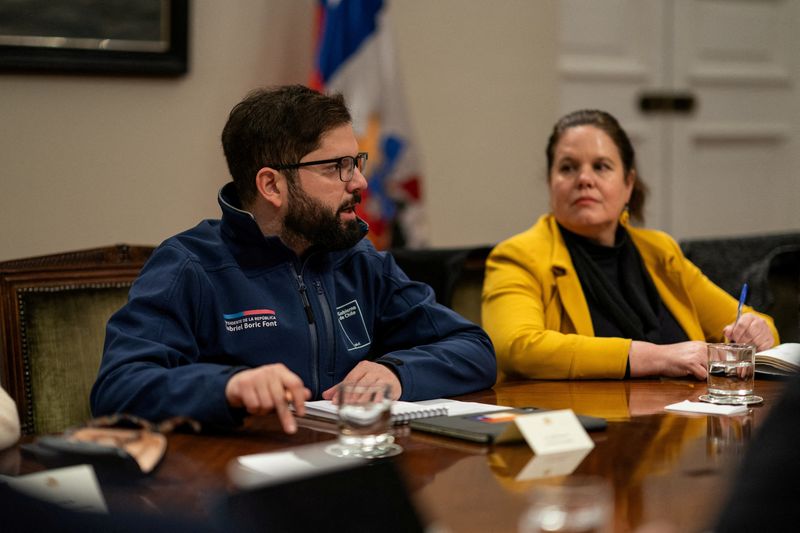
pixel 731 374
pixel 365 421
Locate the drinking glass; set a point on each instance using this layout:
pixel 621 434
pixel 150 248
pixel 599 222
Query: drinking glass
pixel 731 374
pixel 576 504
pixel 365 421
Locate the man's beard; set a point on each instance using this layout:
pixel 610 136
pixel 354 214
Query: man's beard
pixel 310 221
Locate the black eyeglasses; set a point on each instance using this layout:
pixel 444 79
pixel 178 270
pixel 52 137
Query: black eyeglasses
pixel 346 165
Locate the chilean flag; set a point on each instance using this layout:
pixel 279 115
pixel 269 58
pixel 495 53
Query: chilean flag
pixel 355 57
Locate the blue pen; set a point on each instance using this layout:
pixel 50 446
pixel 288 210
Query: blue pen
pixel 742 298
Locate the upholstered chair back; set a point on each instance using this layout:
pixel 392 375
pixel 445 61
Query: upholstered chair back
pixel 455 274
pixel 53 312
pixel 769 263
pixel 775 286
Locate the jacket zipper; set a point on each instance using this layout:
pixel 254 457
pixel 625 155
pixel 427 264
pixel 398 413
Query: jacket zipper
pixel 328 320
pixel 306 302
pixel 312 329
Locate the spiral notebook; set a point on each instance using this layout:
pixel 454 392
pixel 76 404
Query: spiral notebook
pixel 405 412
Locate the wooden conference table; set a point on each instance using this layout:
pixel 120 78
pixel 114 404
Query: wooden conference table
pixel 663 466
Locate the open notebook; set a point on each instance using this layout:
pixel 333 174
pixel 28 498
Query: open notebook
pixel 404 412
pixel 781 360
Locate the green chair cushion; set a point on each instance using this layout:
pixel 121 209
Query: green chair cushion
pixel 64 332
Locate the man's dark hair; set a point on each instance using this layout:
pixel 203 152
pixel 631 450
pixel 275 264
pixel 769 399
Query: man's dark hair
pixel 607 123
pixel 277 126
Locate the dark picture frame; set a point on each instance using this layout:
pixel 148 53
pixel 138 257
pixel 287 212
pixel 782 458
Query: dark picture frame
pixel 147 37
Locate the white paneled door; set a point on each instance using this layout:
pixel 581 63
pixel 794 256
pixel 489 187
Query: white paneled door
pixel 727 161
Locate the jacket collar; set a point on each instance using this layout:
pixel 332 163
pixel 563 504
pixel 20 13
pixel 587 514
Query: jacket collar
pixel 243 235
pixel 567 282
pixel 661 262
pixel 561 262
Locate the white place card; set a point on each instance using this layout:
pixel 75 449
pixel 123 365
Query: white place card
pixel 554 432
pixel 72 487
pixel 687 406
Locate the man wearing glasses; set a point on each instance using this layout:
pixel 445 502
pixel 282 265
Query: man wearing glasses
pixel 283 298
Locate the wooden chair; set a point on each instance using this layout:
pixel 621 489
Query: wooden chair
pixel 53 312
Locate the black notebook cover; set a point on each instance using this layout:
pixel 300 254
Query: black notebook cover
pixel 492 427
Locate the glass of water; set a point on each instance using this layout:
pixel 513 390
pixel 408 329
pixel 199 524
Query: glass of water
pixel 575 504
pixel 731 374
pixel 365 421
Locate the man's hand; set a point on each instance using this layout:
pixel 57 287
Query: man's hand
pixel 369 373
pixel 266 388
pixel 751 329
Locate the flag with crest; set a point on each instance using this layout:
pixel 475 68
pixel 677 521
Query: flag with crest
pixel 355 57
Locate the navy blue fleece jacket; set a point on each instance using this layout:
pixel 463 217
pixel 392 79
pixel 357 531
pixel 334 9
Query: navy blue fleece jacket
pixel 222 297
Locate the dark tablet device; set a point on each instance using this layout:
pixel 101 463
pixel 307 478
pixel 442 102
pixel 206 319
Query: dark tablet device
pixel 365 498
pixel 495 427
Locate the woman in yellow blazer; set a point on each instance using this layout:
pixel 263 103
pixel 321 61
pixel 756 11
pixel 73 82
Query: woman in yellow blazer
pixel 582 294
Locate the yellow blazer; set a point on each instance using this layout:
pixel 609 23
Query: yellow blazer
pixel 534 309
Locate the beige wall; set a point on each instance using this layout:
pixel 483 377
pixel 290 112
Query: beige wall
pixel 481 83
pixel 93 160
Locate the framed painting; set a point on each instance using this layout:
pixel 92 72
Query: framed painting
pixel 94 36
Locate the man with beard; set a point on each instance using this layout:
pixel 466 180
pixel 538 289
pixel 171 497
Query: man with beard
pixel 283 298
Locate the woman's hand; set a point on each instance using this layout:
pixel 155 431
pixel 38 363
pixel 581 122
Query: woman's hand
pixel 751 329
pixel 673 360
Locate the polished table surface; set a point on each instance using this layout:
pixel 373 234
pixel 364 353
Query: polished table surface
pixel 665 467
